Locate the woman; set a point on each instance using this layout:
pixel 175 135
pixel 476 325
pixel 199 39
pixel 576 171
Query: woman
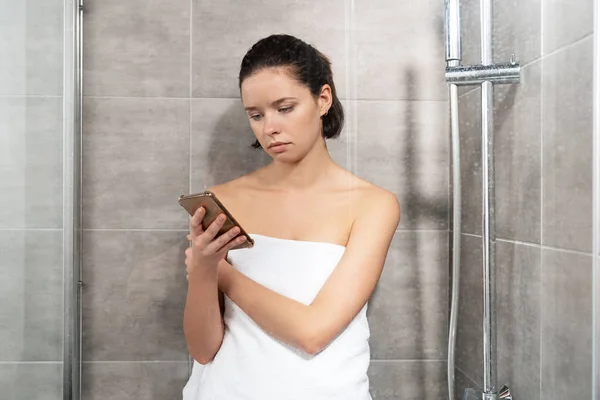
pixel 286 319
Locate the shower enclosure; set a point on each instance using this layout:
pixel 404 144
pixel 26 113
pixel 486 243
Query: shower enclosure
pixel 484 122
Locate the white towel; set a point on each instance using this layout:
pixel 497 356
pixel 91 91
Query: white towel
pixel 252 365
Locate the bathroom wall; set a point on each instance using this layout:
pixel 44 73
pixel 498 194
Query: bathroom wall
pixel 31 203
pixel 163 117
pixel 543 139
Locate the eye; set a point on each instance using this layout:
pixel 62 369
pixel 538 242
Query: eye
pixel 286 109
pixel 255 117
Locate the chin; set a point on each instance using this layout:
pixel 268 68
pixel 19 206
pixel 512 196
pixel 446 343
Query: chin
pixel 285 158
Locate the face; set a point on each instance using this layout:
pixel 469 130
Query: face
pixel 283 114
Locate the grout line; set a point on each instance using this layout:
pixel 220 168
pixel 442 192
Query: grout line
pixel 477 386
pixel 541 186
pixel 471 235
pixel 189 357
pixel 542 127
pixel 31 362
pixel 541 311
pixel 530 244
pixel 405 361
pixel 138 362
pixel 132 230
pixel 185 230
pixel 421 230
pixel 31 229
pixel 191 98
pixel 567 46
pixel 51 96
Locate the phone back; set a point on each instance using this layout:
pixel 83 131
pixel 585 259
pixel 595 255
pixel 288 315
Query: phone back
pixel 213 207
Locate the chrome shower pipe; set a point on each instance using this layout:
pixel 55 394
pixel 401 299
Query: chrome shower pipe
pixel 453 58
pixel 452 32
pixel 486 74
pixel 488 211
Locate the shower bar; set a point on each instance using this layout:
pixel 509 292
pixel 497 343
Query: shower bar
pixel 485 74
pixel 465 75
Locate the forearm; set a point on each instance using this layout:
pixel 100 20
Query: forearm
pixel 285 319
pixel 202 321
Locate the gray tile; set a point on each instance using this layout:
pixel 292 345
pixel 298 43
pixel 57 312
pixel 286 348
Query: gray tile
pixel 565 22
pixel 408 380
pixel 340 151
pixel 223 31
pixel 31 175
pixel 134 296
pixel 137 48
pixel 31 44
pixel 408 313
pixel 403 147
pixel 135 162
pixel 415 69
pixel 469 336
pixel 463 382
pixel 470 160
pixel 31 296
pixel 470 32
pixel 517 135
pixel 567 328
pixel 31 381
pixel 567 147
pixel 221 143
pixel 518 318
pixel 134 381
pixel 517 30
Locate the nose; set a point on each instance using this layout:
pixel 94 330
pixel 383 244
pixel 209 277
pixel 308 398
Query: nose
pixel 270 126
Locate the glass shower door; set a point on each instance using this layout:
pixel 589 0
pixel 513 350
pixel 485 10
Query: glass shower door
pixel 36 206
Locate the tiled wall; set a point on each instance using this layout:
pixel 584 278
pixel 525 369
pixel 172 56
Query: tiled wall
pixel 543 135
pixel 163 117
pixel 31 208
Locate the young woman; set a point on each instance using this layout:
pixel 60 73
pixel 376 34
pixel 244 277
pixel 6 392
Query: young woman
pixel 286 319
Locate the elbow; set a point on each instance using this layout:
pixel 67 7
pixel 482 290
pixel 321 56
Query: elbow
pixel 204 355
pixel 313 342
pixel 202 358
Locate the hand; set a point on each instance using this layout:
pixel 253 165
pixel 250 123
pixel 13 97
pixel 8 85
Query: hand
pixel 206 251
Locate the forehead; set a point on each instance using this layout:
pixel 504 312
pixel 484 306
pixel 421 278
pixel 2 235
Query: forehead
pixel 269 85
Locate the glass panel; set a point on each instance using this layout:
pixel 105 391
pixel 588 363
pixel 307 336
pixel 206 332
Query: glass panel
pixel 31 199
pixel 543 179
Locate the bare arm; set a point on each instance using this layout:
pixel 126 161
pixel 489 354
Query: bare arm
pixel 202 320
pixel 311 328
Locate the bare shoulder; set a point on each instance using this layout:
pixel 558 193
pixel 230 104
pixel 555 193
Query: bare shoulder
pixel 230 191
pixel 370 198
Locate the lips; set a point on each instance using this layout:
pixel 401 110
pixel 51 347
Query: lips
pixel 275 144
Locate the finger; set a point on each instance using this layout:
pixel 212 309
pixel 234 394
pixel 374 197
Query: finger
pixel 190 238
pixel 213 229
pixel 222 240
pixel 196 221
pixel 187 277
pixel 236 242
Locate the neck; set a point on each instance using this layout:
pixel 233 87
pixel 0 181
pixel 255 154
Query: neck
pixel 304 174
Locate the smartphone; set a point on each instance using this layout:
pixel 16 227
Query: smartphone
pixel 213 207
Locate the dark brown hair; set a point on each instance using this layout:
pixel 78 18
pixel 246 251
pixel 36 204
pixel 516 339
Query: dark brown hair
pixel 306 64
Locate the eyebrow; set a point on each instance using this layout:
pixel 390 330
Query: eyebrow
pixel 275 103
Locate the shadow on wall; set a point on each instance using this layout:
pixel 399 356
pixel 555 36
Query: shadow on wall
pixel 230 154
pixel 410 300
